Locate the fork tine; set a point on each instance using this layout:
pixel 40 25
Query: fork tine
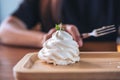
pixel 105 30
pixel 106 33
pixel 105 27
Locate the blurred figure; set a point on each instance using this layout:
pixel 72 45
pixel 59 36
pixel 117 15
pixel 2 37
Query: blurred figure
pixel 78 16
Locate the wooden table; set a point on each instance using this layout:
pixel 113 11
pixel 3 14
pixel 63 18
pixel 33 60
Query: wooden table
pixel 10 55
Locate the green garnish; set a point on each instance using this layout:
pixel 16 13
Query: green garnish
pixel 59 27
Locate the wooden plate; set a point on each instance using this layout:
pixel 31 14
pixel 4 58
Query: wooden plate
pixel 93 66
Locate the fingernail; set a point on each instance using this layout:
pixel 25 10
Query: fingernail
pixel 80 43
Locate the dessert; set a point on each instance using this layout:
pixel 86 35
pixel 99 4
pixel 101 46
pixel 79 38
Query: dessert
pixel 60 49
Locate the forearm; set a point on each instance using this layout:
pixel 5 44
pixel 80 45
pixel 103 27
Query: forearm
pixel 22 38
pixel 12 34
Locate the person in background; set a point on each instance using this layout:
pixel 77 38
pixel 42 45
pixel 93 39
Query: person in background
pixel 78 16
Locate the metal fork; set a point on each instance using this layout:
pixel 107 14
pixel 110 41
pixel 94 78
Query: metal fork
pixel 100 31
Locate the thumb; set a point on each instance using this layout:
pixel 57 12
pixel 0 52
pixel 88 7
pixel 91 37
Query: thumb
pixel 51 32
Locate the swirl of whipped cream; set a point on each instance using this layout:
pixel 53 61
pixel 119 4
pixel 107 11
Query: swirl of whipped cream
pixel 60 49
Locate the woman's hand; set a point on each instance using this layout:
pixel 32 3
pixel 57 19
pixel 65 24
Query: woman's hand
pixel 71 29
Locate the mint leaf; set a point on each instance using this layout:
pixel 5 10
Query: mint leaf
pixel 59 27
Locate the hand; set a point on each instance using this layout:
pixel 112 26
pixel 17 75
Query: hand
pixel 48 35
pixel 71 29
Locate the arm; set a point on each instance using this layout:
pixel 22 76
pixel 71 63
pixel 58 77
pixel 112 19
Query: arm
pixel 14 32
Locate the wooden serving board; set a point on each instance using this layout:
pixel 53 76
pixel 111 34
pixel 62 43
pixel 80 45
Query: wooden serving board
pixel 93 66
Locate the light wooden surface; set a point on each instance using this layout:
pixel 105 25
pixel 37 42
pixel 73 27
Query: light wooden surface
pixel 100 65
pixel 10 55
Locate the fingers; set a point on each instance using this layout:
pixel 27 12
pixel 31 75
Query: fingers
pixel 70 29
pixel 48 35
pixel 75 33
pixel 51 32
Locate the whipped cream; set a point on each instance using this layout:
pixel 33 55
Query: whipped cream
pixel 60 49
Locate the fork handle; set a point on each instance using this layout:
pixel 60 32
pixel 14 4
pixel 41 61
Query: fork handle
pixel 85 35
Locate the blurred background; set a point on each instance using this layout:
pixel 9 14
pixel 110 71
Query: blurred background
pixel 7 7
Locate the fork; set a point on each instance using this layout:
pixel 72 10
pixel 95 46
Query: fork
pixel 104 30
